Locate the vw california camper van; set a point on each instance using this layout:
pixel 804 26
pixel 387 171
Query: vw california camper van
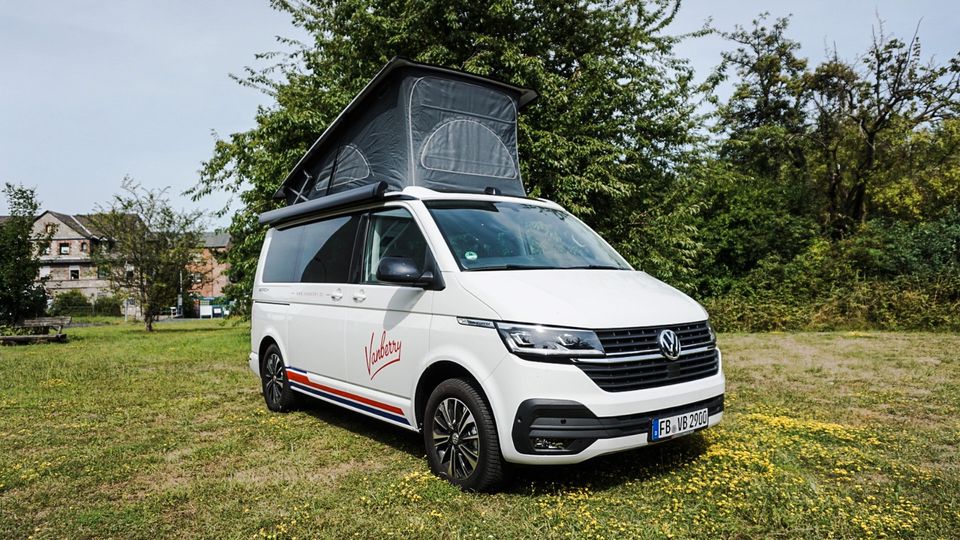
pixel 424 289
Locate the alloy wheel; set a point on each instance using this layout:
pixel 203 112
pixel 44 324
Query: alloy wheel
pixel 275 376
pixel 456 438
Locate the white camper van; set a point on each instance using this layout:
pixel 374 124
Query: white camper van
pixel 499 326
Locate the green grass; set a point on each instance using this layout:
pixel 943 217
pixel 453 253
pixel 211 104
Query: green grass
pixel 123 434
pixel 103 319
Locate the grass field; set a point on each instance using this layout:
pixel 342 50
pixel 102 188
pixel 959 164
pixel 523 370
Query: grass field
pixel 123 434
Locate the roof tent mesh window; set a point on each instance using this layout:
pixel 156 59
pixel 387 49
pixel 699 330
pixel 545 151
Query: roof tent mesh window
pixel 462 128
pixel 352 166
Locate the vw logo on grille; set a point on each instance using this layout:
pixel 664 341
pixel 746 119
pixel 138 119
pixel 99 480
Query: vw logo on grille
pixel 669 344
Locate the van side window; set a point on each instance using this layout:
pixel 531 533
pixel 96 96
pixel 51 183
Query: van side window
pixel 283 255
pixel 318 252
pixel 392 233
pixel 327 250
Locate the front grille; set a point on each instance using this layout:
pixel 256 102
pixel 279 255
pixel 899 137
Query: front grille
pixel 623 341
pixel 653 370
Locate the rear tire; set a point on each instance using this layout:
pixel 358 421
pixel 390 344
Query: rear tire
pixel 275 384
pixel 460 436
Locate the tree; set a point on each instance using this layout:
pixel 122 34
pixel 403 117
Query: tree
pixel 863 115
pixel 149 246
pixel 21 296
pixel 831 137
pixel 610 137
pixel 766 117
pixel 757 197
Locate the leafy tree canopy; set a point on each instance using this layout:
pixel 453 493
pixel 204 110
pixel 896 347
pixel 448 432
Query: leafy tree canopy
pixel 151 247
pixel 21 296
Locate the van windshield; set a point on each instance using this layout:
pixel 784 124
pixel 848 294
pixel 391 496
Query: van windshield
pixel 518 236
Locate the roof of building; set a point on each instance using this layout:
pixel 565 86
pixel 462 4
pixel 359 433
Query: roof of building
pixel 82 223
pixel 216 240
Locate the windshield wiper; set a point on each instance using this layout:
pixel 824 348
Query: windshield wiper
pixel 514 267
pixel 594 267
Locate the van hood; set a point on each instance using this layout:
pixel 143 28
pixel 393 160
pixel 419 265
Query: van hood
pixel 581 298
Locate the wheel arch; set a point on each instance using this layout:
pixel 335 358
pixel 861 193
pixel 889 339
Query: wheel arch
pixel 435 374
pixel 265 343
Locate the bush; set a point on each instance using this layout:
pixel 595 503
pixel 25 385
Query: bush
pixel 71 303
pixel 108 305
pixel 886 277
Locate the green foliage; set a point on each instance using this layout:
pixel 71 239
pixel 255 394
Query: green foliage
pixel 190 306
pixel 151 246
pixel 890 276
pixel 76 303
pixel 833 194
pixel 609 137
pixel 71 303
pixel 21 297
pixel 108 305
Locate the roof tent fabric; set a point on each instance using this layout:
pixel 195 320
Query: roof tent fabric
pixel 417 125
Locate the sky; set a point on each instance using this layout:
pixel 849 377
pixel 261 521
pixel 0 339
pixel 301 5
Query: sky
pixel 91 91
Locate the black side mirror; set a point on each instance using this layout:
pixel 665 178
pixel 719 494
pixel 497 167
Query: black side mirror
pixel 403 270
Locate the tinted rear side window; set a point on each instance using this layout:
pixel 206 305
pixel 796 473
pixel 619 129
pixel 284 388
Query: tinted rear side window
pixel 327 250
pixel 318 252
pixel 283 255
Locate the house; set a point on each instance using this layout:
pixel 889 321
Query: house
pixel 66 261
pixel 210 274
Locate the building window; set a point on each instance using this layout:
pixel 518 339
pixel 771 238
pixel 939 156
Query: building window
pixel 74 274
pixel 46 250
pixel 64 248
pixel 197 277
pixel 83 247
pixel 51 228
pixel 44 272
pixel 129 275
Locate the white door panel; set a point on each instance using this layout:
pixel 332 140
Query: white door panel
pixel 316 330
pixel 387 335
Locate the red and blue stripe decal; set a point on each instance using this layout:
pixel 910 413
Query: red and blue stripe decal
pixel 300 381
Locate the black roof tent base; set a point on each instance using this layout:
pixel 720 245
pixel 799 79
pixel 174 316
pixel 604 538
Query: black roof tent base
pixel 344 199
pixel 416 124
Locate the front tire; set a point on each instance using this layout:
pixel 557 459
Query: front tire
pixel 460 436
pixel 276 386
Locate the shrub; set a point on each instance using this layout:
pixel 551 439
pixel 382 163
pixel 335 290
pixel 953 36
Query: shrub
pixel 108 305
pixel 71 303
pixel 889 276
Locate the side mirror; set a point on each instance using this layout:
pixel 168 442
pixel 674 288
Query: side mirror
pixel 404 271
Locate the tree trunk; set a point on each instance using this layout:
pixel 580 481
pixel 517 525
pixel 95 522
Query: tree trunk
pixel 148 322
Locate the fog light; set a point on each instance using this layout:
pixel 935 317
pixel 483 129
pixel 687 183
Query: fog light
pixel 543 443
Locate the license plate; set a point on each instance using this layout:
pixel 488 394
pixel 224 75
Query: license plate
pixel 671 426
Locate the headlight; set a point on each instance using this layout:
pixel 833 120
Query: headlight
pixel 548 343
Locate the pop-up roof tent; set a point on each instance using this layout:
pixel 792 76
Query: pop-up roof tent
pixel 417 125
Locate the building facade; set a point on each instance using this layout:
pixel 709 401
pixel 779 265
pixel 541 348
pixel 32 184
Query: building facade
pixel 66 264
pixel 209 275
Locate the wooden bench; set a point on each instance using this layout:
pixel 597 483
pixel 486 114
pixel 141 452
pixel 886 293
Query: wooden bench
pixel 39 331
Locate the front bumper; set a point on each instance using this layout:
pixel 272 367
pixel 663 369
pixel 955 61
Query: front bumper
pixel 521 393
pixel 574 426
